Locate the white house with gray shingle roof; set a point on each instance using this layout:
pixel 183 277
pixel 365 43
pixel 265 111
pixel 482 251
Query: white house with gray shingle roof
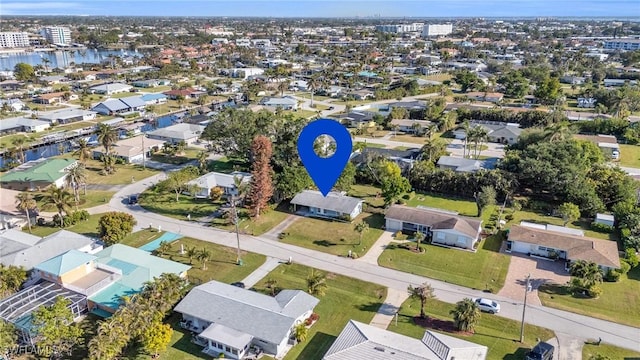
pixel 442 227
pixel 361 341
pixel 334 205
pixel 229 319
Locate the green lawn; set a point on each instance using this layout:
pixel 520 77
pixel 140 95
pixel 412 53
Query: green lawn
pixel 255 227
pixel 486 268
pixel 165 204
pixel 614 295
pixel 88 227
pixel 463 207
pixel 539 218
pixel 123 175
pixel 346 298
pixel 613 352
pixel 630 155
pixel 222 264
pixel 123 95
pixel 499 334
pixel 226 165
pixel 141 237
pixel 419 140
pixel 334 237
pixel 93 198
pixel 368 193
pixel 186 156
pixel 315 97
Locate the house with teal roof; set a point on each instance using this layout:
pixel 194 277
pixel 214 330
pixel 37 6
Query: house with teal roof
pixel 37 175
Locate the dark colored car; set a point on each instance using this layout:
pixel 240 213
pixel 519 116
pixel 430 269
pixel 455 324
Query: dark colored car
pixel 133 199
pixel 238 284
pixel 542 351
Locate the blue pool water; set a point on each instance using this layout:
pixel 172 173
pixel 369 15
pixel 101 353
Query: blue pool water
pixel 168 237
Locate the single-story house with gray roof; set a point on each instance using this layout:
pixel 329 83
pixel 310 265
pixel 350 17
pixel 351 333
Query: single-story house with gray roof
pixel 189 133
pixel 211 180
pixel 229 320
pixel 362 341
pixel 285 102
pixel 110 89
pixel 335 205
pixel 440 226
pixel 22 124
pixel 459 164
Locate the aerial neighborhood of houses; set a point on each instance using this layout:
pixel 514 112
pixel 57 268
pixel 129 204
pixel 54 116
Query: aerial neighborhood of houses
pixel 153 204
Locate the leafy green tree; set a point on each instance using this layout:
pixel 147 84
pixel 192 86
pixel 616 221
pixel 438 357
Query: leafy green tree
pixel 392 181
pixel 292 180
pixel 26 203
pixel 423 293
pixel 8 336
pixel 56 329
pixel 485 197
pixel 569 212
pixel 515 84
pixel 549 90
pixel 202 161
pixel 467 80
pixel 115 226
pixel 24 72
pixel 466 314
pixel 361 228
pixel 347 179
pixel 177 181
pixel 586 277
pixel 156 338
pixel 317 283
pixel 11 278
pixel 61 199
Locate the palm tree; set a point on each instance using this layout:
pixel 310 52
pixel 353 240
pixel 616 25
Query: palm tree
pixel 271 284
pixel 466 314
pixel 433 149
pixel 419 236
pixel 164 248
pixel 423 293
pixel 19 147
pixel 478 135
pixel 301 332
pixel 107 136
pixel 84 151
pixel 312 85
pixel 589 272
pixel 26 203
pixel 282 87
pixel 558 132
pixel 191 253
pixel 467 130
pixel 12 278
pixel 316 283
pixel 361 228
pixel 202 161
pixel 76 176
pixel 204 255
pixel 61 199
pixel 108 164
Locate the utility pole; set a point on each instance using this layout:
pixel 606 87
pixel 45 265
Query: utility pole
pixel 526 291
pixel 236 220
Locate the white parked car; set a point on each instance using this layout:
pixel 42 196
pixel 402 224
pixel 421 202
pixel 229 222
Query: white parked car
pixel 487 305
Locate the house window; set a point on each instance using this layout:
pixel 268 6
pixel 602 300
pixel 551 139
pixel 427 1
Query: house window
pixel 227 349
pixel 441 235
pixel 542 248
pixel 462 240
pixel 220 346
pixel 234 352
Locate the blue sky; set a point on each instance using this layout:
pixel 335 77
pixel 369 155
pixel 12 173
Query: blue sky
pixel 325 8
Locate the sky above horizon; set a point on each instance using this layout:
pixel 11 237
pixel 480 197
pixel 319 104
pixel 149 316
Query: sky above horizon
pixel 327 8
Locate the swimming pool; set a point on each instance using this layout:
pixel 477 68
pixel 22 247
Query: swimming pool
pixel 168 237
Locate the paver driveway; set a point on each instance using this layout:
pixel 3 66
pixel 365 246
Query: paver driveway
pixel 541 271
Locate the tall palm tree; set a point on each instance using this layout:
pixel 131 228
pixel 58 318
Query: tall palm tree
pixel 282 87
pixel 84 151
pixel 61 199
pixel 478 135
pixel 312 85
pixel 204 255
pixel 76 176
pixel 467 129
pixel 25 202
pixel 108 164
pixel 558 132
pixel 316 283
pixel 361 228
pixel 19 143
pixel 466 314
pixel 423 293
pixel 107 136
pixel 433 149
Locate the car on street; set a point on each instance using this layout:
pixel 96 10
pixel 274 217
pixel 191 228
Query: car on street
pixel 133 199
pixel 488 305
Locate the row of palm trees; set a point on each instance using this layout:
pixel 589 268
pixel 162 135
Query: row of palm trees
pixel 476 135
pixel 466 314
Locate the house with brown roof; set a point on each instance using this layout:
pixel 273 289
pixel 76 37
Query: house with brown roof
pixel 551 242
pixel 440 226
pixel 50 98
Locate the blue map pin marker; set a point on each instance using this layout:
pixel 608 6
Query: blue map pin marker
pixel 324 171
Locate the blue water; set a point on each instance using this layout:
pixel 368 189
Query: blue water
pixel 61 59
pixel 168 237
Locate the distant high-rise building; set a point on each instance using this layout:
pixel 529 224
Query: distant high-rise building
pixel 14 39
pixel 622 44
pixel 400 28
pixel 57 35
pixel 437 29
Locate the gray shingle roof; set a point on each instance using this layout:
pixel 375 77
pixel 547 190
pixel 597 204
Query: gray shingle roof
pixel 179 131
pixel 361 341
pixel 333 201
pixel 437 220
pixel 265 317
pixel 463 164
pixel 214 179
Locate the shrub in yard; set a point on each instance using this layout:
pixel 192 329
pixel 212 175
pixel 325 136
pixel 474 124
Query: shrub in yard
pixel 595 291
pixel 631 257
pixel 115 226
pixel 603 228
pixel 314 317
pixel 508 217
pixel 613 275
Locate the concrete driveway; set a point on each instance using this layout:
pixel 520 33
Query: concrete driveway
pixel 541 271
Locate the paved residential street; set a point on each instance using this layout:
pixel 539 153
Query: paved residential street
pixel 560 321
